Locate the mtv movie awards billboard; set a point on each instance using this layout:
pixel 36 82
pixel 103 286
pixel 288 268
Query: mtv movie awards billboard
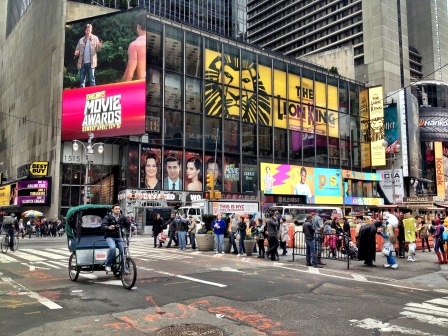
pixel 105 76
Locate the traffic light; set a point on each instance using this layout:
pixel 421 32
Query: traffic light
pixel 210 181
pixel 209 195
pixel 216 195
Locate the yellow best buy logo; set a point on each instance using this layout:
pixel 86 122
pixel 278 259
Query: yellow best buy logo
pixel 39 168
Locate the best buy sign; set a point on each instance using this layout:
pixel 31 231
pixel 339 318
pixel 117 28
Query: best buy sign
pixel 39 168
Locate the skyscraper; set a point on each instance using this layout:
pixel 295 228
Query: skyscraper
pixel 392 41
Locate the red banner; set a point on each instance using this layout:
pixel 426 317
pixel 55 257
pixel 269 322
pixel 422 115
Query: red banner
pixel 106 110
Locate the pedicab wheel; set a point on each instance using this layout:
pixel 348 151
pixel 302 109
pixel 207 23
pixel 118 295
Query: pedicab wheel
pixel 5 245
pixel 73 270
pixel 129 274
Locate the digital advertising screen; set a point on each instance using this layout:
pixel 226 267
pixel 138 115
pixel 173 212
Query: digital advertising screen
pixel 105 76
pixel 33 192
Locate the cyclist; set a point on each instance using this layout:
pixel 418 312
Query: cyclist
pixel 9 227
pixel 110 227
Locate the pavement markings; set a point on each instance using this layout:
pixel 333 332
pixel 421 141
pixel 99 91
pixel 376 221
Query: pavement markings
pixel 192 279
pixel 372 324
pixel 24 291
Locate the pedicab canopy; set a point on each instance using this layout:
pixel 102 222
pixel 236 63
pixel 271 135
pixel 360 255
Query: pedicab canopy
pixel 85 220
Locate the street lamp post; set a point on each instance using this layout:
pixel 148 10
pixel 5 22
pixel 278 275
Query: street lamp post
pixel 395 149
pixel 89 158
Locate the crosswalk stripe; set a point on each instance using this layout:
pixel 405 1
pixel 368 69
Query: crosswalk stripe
pixel 27 256
pixel 427 311
pixel 442 301
pixel 427 306
pixel 44 254
pixel 439 321
pixel 6 259
pixel 63 251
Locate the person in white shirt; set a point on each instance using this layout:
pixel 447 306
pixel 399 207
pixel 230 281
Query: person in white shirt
pixel 302 188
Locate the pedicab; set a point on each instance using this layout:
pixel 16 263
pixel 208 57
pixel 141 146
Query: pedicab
pixel 89 248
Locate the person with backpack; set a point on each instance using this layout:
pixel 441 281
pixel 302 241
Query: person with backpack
pixel 424 235
pixel 9 225
pixel 438 241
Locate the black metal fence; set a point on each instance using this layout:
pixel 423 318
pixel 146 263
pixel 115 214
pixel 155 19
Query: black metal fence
pixel 328 246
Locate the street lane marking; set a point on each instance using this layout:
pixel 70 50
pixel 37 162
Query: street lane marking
pixel 352 279
pixel 430 319
pixel 443 302
pixel 192 279
pixel 379 327
pixel 6 259
pixel 359 277
pixel 45 254
pixel 427 307
pixel 27 256
pixel 24 291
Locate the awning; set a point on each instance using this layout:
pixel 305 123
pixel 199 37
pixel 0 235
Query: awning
pixel 443 205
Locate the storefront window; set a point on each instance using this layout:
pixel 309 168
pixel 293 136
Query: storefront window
pixel 153 87
pixel 154 44
pixel 343 97
pixel 193 94
pixel 308 144
pixel 173 128
pixel 231 136
pixel 280 143
pixel 173 49
pixel 321 151
pixel 355 128
pixel 249 137
pixel 213 136
pixel 193 55
pixel 193 131
pixel 295 154
pixel 265 142
pixel 333 152
pixel 173 91
pixel 354 99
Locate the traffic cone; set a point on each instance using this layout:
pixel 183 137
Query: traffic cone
pixel 439 257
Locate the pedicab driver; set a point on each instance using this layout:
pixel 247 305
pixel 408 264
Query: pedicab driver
pixel 110 228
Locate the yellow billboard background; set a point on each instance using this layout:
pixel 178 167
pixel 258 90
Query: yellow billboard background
pixel 5 194
pixel 376 114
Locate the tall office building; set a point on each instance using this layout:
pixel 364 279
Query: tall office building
pixel 225 17
pixel 393 41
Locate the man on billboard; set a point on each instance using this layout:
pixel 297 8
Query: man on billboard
pixel 136 67
pixel 172 181
pixel 214 168
pixel 86 51
pixel 302 188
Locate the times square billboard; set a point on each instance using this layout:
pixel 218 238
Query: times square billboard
pixel 105 76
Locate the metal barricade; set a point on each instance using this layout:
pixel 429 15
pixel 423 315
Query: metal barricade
pixel 328 246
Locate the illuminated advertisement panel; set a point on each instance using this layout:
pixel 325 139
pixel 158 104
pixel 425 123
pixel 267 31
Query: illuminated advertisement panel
pixel 33 192
pixel 319 185
pixel 5 194
pixel 440 178
pixel 105 76
pixel 376 114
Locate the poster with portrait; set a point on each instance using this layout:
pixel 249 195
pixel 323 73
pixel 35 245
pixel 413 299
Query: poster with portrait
pixel 172 170
pixel 150 169
pixel 231 174
pixel 212 165
pixel 194 176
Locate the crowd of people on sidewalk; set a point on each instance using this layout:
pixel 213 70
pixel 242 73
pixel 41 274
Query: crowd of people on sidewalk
pixel 400 237
pixel 38 227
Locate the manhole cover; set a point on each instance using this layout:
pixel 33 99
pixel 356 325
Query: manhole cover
pixel 190 330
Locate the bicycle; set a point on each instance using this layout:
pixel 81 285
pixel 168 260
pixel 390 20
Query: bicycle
pixel 5 243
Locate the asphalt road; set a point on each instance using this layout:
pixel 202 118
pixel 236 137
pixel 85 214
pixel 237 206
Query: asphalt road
pixel 239 296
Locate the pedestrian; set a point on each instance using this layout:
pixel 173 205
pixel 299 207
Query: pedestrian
pixel 284 235
pixel 272 232
pixel 260 229
pixel 438 242
pixel 219 227
pixel 401 240
pixel 346 227
pixel 318 225
pixel 28 228
pixel 252 228
pixel 192 232
pixel 172 228
pixel 388 233
pixel 157 227
pixel 233 228
pixel 182 227
pixel 331 241
pixel 242 227
pixel 367 243
pixel 21 228
pixel 309 232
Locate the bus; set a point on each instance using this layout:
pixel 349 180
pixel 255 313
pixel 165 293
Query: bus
pixel 292 211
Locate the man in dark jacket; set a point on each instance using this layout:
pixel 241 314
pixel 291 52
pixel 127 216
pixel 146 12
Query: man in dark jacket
pixel 157 227
pixel 172 228
pixel 309 232
pixel 110 226
pixel 367 243
pixel 272 232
